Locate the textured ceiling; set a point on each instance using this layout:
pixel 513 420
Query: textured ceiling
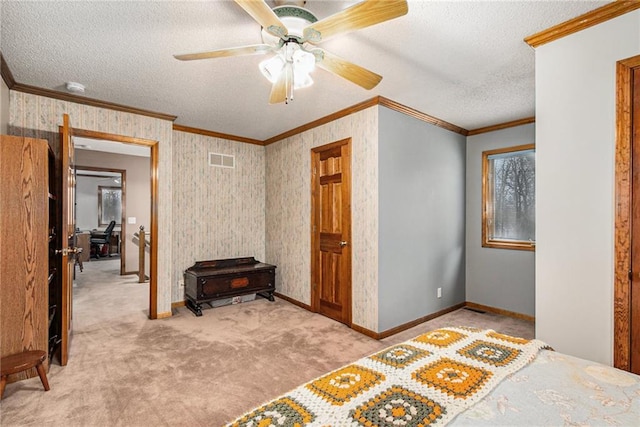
pixel 464 62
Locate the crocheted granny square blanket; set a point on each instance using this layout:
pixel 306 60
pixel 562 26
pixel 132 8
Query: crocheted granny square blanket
pixel 425 381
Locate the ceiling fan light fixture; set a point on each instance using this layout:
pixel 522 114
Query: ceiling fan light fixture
pixel 301 61
pixel 303 64
pixel 304 61
pixel 292 33
pixel 301 81
pixel 272 67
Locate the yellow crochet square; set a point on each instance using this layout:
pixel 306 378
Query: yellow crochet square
pixel 440 337
pixel 453 378
pixel 507 338
pixel 344 384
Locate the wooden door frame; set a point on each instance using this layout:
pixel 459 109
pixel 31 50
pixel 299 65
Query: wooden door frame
pixel 623 198
pixel 123 226
pixel 154 146
pixel 315 241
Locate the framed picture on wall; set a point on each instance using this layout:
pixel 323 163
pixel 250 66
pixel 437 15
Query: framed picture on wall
pixel 109 205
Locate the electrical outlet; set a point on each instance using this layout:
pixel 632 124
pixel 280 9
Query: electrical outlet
pixel 181 283
pixel 439 293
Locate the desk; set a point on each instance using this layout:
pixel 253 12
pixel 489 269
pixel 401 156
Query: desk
pixel 83 242
pixel 114 243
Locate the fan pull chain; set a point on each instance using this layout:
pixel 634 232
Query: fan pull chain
pixel 289 48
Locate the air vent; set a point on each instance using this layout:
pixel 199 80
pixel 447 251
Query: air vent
pixel 222 160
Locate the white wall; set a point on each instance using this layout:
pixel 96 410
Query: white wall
pixel 500 278
pixel 575 142
pixel 421 218
pixel 4 108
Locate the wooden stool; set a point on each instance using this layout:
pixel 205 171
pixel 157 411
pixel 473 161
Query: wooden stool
pixel 21 362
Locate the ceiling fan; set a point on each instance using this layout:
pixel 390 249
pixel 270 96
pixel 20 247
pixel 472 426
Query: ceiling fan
pixel 291 33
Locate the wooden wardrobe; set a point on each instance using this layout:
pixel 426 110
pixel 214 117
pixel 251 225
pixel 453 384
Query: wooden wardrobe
pixel 27 248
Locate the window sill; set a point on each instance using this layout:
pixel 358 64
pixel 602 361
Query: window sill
pixel 502 244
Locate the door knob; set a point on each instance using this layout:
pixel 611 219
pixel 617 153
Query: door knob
pixel 67 251
pixel 343 244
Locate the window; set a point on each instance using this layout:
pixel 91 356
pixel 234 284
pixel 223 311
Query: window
pixel 509 198
pixel 109 205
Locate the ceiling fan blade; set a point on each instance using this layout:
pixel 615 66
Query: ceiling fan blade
pixel 254 49
pixel 350 71
pixel 262 13
pixel 279 90
pixel 358 16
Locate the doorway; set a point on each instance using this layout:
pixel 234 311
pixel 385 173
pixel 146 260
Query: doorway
pixel 331 230
pixel 101 195
pixel 151 186
pixel 626 333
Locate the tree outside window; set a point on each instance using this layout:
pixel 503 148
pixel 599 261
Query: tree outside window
pixel 509 198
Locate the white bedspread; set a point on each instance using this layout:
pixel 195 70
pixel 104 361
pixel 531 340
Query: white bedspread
pixel 557 389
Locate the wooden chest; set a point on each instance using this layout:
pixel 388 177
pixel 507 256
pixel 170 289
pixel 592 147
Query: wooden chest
pixel 210 280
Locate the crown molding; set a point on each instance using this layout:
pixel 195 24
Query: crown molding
pixel 589 19
pixel 500 126
pixel 34 90
pixel 5 72
pixel 324 120
pixel 385 102
pixel 378 100
pixel 213 134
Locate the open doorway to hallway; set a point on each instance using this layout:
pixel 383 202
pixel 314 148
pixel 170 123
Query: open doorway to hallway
pixel 100 193
pixel 112 185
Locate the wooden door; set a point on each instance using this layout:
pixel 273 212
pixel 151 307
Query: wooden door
pixel 331 230
pixel 634 354
pixel 67 236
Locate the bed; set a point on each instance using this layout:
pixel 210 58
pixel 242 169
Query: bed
pixel 459 376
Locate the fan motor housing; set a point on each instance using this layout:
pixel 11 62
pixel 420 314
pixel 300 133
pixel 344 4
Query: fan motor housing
pixel 295 18
pixel 291 11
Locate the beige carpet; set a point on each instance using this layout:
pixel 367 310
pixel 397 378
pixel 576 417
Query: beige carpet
pixel 125 370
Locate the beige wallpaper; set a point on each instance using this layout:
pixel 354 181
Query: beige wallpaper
pixel 218 212
pixel 39 117
pixel 208 213
pixel 288 207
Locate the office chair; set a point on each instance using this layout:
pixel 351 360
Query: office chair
pixel 100 238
